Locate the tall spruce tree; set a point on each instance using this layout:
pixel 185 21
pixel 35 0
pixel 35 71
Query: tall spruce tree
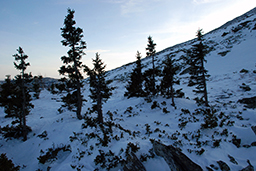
pixel 20 82
pixel 169 79
pixel 72 63
pixel 197 71
pixel 15 97
pixel 134 87
pixel 150 84
pixel 100 92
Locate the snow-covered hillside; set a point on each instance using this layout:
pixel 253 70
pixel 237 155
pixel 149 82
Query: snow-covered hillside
pixel 135 122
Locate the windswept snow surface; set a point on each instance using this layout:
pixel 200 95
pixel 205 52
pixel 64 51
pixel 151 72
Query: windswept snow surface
pixel 233 51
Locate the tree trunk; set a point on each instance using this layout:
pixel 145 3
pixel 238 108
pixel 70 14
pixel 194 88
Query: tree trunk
pixel 78 87
pixel 79 101
pixel 172 94
pixel 153 81
pixel 204 84
pixel 24 129
pixel 99 108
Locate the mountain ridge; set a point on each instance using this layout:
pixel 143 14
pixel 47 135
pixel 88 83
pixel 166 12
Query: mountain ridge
pixel 225 25
pixel 224 42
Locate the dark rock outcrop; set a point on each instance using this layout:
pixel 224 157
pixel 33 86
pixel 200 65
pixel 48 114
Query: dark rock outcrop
pixel 223 166
pixel 232 159
pixel 174 158
pixel 249 102
pixel 253 143
pixel 133 163
pixel 249 167
pixel 254 129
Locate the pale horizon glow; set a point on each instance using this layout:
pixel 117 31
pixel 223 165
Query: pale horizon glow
pixel 116 29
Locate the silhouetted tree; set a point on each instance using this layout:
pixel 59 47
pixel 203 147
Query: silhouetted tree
pixel 37 86
pixel 197 71
pixel 151 74
pixel 7 94
pixel 169 79
pixel 72 63
pixel 100 92
pixel 15 98
pixel 21 80
pixel 134 87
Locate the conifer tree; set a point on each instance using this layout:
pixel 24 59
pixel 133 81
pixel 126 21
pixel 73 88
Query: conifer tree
pixel 36 86
pixel 134 87
pixel 151 74
pixel 7 95
pixel 100 92
pixel 198 73
pixel 20 82
pixel 169 79
pixel 72 64
pixel 15 97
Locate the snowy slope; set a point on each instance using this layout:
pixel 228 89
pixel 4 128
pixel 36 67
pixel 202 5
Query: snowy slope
pixel 233 50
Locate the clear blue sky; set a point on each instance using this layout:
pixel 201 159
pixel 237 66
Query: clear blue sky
pixel 114 28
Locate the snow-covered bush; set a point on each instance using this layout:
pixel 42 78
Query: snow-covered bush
pixel 245 87
pixel 155 105
pixel 52 153
pixel 7 164
pixel 12 131
pixel 210 118
pixel 165 110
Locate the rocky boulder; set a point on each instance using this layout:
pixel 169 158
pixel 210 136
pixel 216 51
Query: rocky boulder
pixel 254 129
pixel 223 166
pixel 133 163
pixel 175 158
pixel 249 102
pixel 249 167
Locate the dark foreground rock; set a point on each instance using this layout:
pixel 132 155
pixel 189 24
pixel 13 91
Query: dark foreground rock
pixel 174 158
pixel 249 102
pixel 254 129
pixel 223 166
pixel 249 167
pixel 133 164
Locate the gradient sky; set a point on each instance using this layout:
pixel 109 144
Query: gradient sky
pixel 114 28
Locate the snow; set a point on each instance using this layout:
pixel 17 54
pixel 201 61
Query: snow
pixel 135 114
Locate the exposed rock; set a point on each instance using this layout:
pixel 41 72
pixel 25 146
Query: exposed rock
pixel 174 158
pixel 209 169
pixel 236 142
pixel 254 129
pixel 232 159
pixel 250 102
pixel 223 166
pixel 214 167
pixel 249 167
pixel 133 164
pixel 246 146
pixel 253 143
